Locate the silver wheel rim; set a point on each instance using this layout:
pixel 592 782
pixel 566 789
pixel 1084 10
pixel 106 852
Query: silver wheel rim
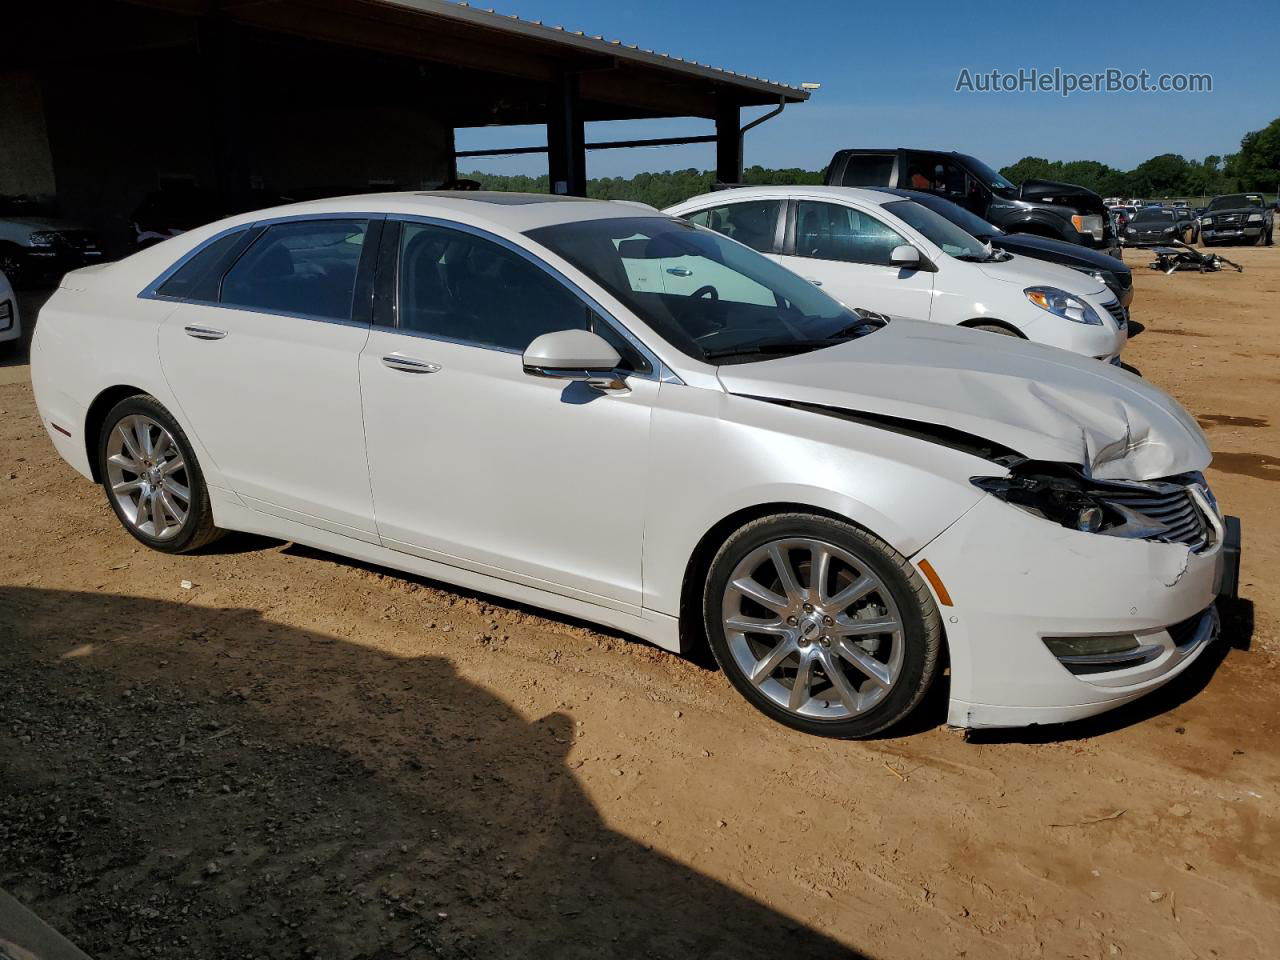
pixel 147 477
pixel 813 628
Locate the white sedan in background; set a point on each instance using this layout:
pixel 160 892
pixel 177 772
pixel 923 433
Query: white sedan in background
pixel 485 389
pixel 10 321
pixel 892 255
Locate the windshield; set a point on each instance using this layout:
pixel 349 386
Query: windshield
pixel 1152 215
pixel 988 176
pixel 962 218
pixel 709 297
pixel 1235 201
pixel 939 230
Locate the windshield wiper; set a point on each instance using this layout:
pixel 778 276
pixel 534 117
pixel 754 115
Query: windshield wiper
pixel 773 348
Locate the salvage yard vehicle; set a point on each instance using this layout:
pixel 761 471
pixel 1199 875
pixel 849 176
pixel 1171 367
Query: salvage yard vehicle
pixel 1046 208
pixel 10 321
pixel 37 246
pixel 1238 217
pixel 1112 272
pixel 1156 224
pixel 500 391
pixel 1190 225
pixel 887 253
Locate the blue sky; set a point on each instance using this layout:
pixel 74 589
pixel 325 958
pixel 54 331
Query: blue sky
pixel 888 73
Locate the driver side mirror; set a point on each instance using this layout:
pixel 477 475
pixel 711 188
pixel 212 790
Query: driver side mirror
pixel 905 256
pixel 578 355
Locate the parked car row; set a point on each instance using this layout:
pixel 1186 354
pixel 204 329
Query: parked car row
pixel 1239 217
pixel 894 254
pixel 37 246
pixel 829 480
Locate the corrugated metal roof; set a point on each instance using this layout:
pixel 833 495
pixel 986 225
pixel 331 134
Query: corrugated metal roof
pixel 577 39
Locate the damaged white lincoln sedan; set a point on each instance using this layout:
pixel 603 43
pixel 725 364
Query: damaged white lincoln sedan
pixel 501 392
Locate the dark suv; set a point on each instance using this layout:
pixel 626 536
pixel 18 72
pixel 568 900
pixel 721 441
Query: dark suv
pixel 1239 218
pixel 1041 207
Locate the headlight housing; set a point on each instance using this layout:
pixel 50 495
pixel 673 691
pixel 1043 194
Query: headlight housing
pixel 1090 223
pixel 1065 495
pixel 42 238
pixel 1062 304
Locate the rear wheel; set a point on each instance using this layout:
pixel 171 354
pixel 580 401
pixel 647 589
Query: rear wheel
pixel 152 479
pixel 821 625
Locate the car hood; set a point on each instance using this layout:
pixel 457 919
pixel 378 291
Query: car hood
pixel 1043 403
pixel 1057 251
pixel 1028 271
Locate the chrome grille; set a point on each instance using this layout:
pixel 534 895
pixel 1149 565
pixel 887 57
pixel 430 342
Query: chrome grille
pixel 1172 510
pixel 1117 312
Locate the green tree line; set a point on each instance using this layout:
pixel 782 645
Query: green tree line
pixel 1255 167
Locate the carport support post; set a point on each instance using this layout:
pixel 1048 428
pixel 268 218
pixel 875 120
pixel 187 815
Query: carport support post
pixel 221 65
pixel 566 139
pixel 729 143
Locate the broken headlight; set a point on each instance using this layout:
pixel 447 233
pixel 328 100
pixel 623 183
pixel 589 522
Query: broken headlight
pixel 1164 510
pixel 1062 496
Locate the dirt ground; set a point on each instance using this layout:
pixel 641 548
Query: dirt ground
pixel 304 757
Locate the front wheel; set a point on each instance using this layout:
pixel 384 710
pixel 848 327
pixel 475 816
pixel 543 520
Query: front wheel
pixel 821 625
pixel 994 328
pixel 152 479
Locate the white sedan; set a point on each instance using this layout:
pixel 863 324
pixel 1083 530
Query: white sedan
pixel 484 389
pixel 10 321
pixel 890 254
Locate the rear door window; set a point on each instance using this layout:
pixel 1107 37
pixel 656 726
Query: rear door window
pixel 304 268
pixel 753 222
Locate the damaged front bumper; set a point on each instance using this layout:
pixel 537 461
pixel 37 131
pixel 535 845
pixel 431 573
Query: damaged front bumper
pixel 1020 585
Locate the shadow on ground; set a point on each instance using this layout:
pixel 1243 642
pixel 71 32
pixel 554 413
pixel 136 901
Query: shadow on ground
pixel 186 781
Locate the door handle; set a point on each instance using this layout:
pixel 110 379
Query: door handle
pixel 204 333
pixel 816 283
pixel 408 364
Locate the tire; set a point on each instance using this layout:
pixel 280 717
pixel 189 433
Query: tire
pixel 857 680
pixel 148 469
pixel 995 328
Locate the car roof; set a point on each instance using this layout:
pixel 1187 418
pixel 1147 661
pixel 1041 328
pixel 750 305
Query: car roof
pixel 505 211
pixel 769 192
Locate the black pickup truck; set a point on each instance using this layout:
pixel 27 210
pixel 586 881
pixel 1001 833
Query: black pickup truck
pixel 1062 211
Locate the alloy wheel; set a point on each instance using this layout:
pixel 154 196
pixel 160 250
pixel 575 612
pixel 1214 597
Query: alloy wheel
pixel 147 477
pixel 813 628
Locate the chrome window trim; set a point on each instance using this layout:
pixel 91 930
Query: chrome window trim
pixel 658 370
pixel 151 291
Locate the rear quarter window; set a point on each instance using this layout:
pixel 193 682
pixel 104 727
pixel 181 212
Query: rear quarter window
pixel 197 278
